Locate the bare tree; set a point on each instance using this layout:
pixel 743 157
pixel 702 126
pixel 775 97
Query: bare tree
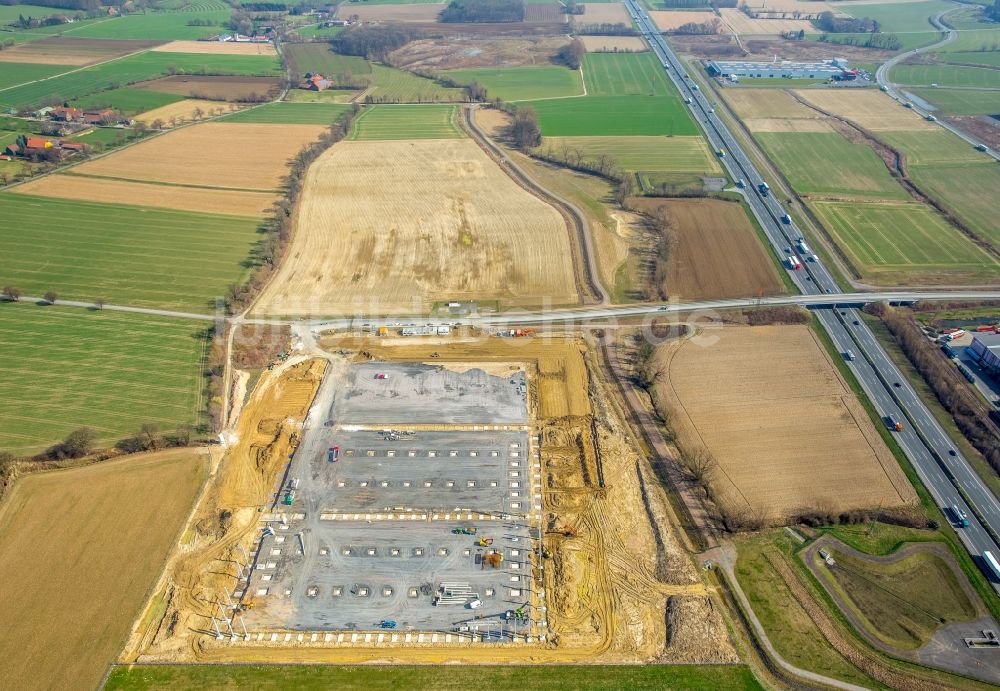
pixel 12 293
pixel 51 297
pixel 99 303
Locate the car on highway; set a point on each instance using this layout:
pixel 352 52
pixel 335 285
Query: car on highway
pixel 951 452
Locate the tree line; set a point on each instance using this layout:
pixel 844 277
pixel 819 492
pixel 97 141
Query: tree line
pixel 971 415
pixel 373 42
pixel 487 11
pixel 831 23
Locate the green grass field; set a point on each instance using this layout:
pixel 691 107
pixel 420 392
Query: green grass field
pixel 908 41
pixel 313 31
pixel 450 678
pixel 790 628
pixel 132 69
pixel 292 113
pixel 956 101
pixel 973 57
pixel 935 147
pixel 903 603
pixel 103 138
pixel 156 26
pixel 904 239
pixel 827 163
pixel 14 73
pixel 128 101
pixel 625 74
pixel 9 13
pixel 947 75
pixel 328 96
pixel 396 86
pixel 968 191
pixel 406 122
pixel 979 39
pixel 907 16
pixel 522 83
pixel 123 254
pixel 594 116
pixel 645 154
pixel 317 57
pixel 63 368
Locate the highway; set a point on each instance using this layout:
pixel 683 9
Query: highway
pixel 949 478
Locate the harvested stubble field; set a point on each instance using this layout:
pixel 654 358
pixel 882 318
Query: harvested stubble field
pixel 905 243
pixel 82 546
pixel 668 20
pixel 867 108
pixel 200 199
pixel 786 438
pixel 214 154
pixel 133 255
pixel 607 588
pixel 62 50
pixel 646 154
pixel 773 110
pixel 827 163
pixel 716 253
pixel 393 223
pixel 411 12
pixel 406 122
pixel 217 48
pixel 184 111
pixel 522 83
pixel 613 44
pixel 603 13
pixel 216 88
pixel 739 23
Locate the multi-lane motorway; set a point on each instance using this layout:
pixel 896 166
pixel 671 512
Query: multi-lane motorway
pixel 947 475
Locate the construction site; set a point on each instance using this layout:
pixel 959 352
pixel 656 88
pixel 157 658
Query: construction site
pixel 415 499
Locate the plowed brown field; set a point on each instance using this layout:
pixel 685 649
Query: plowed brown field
pixel 215 88
pixel 227 202
pixel 60 50
pixel 413 12
pixel 716 253
pixel 612 44
pixel 398 225
pixel 238 156
pixel 603 13
pixel 668 20
pixel 786 432
pixel 79 549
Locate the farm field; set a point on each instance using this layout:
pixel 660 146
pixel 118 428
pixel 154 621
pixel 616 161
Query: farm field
pixel 522 83
pixel 11 12
pixel 406 122
pixel 991 59
pixel 407 12
pixel 648 154
pixel 319 57
pixel 390 85
pixel 668 20
pixel 900 16
pixel 183 111
pixel 595 116
pixel 63 50
pixel 739 23
pixel 826 163
pixel 625 74
pixel 959 101
pixel 975 40
pixel 612 44
pixel 116 372
pixel 868 108
pixel 249 205
pixel 132 69
pixel 127 100
pixel 455 678
pixel 732 400
pixel 292 114
pixel 134 255
pixel 391 223
pixel 968 191
pixel 907 41
pixel 203 156
pixel 946 75
pixel 906 242
pixel 217 48
pixel 767 104
pixel 165 26
pixel 215 88
pixel 604 13
pixel 115 526
pixel 15 73
pixel 716 253
pixel 933 148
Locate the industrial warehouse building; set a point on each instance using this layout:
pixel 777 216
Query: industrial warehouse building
pixel 832 69
pixel 985 349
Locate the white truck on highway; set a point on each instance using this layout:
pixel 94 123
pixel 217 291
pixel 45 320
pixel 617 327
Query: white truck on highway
pixel 993 567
